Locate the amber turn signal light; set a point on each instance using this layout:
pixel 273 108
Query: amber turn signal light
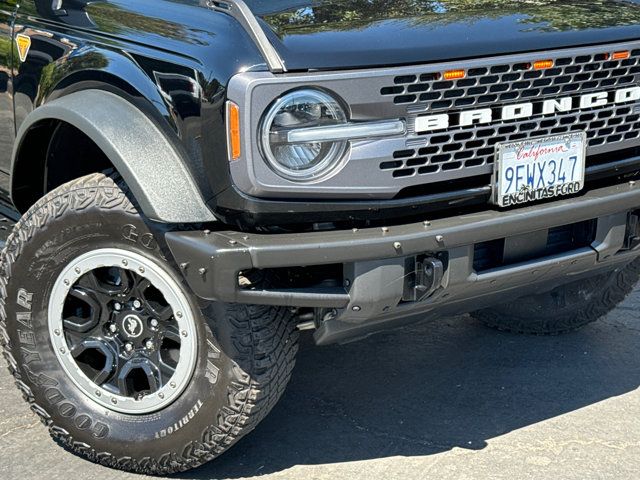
pixel 623 55
pixel 233 130
pixel 454 74
pixel 542 64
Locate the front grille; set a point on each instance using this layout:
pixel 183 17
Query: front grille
pixel 455 150
pixel 475 146
pixel 514 82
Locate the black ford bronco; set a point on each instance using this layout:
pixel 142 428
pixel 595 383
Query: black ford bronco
pixel 196 181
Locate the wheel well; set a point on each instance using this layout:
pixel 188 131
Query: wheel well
pixel 53 152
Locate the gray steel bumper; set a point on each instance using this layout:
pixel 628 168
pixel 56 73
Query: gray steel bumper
pixel 374 261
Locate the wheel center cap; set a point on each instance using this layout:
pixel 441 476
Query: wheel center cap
pixel 132 326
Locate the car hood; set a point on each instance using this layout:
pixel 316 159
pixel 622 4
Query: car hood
pixel 337 34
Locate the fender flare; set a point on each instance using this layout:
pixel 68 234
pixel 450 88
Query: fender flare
pixel 143 155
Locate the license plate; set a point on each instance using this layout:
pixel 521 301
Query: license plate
pixel 539 168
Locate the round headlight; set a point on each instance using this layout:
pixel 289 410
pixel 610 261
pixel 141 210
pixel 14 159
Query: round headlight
pixel 296 110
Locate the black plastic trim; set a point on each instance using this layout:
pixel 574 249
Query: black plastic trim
pixel 234 207
pixel 212 260
pixel 158 179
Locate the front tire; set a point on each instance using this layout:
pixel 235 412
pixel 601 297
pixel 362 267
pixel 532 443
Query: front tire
pixel 566 308
pixel 241 356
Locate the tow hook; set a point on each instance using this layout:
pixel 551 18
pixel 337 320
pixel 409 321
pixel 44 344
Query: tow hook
pixel 427 278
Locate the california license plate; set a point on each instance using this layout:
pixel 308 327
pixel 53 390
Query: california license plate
pixel 539 168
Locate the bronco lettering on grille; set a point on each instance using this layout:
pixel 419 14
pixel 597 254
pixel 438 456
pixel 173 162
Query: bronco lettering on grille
pixel 427 123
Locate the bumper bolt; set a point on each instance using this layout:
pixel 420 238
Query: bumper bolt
pixel 356 308
pixel 397 245
pixel 385 229
pixel 439 239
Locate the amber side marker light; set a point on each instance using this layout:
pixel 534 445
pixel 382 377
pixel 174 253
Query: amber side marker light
pixel 233 130
pixel 623 55
pixel 454 74
pixel 542 64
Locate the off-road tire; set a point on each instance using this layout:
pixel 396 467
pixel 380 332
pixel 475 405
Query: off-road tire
pixel 245 353
pixel 566 308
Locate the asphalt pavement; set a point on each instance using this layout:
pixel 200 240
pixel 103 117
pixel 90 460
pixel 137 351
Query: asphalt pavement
pixel 447 399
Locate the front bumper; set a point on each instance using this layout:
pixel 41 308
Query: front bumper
pixel 374 261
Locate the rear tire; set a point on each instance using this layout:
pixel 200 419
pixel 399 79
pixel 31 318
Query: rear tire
pixel 243 356
pixel 565 308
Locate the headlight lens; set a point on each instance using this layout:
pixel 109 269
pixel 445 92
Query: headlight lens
pixel 302 161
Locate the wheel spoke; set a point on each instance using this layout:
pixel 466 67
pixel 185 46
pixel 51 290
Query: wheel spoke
pixel 166 370
pixel 82 311
pixel 138 376
pixel 96 358
pixel 107 283
pixel 171 333
pixel 165 314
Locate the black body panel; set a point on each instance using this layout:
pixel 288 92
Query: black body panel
pixel 172 60
pixel 337 34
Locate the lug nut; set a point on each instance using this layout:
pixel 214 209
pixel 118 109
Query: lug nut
pixel 137 303
pixel 128 347
pixel 154 323
pixel 113 328
pixel 117 306
pixel 148 345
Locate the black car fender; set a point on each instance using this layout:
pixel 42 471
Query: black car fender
pixel 152 167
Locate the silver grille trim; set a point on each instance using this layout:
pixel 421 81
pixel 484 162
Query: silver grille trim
pixel 379 168
pixel 349 131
